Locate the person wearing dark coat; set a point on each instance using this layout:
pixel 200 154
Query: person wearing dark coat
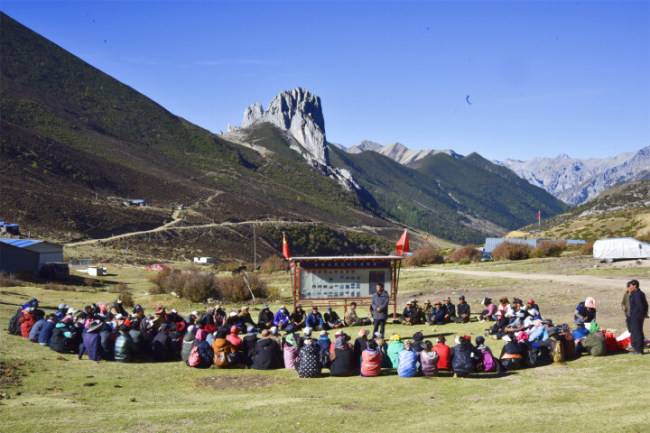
pixel 36 330
pixel 92 342
pixel 462 311
pixel 62 340
pixel 138 341
pixel 298 318
pixel 248 346
pixel 341 358
pixel 418 344
pixel 462 357
pixel 267 354
pixel 332 319
pixel 360 344
pixel 638 313
pixel 437 317
pixel 450 310
pixel 309 364
pixel 188 343
pixel 265 318
pixel 125 349
pixel 161 346
pixel 107 341
pixel 379 307
pixel 45 335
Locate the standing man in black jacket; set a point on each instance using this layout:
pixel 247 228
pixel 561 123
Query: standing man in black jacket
pixel 638 313
pixel 379 308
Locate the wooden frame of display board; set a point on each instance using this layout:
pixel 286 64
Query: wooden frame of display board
pixel 338 281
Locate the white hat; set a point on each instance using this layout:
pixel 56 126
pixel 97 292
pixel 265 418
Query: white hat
pixel 174 311
pixel 323 333
pixel 195 314
pixel 306 331
pixel 63 307
pixel 71 311
pixel 233 313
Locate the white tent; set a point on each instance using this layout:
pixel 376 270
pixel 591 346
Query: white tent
pixel 621 248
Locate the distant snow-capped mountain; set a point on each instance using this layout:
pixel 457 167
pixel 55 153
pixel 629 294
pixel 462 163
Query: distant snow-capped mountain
pixel 575 181
pixel 398 152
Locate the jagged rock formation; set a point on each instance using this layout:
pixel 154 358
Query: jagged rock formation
pixel 576 181
pixel 299 113
pixel 398 152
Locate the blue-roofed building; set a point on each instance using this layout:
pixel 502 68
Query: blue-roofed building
pixel 9 228
pixel 27 255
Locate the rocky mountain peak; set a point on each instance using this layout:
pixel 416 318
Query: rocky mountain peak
pixel 299 114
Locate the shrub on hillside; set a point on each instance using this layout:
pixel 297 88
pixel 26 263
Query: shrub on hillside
pixel 466 254
pixel 9 280
pixel 228 267
pixel 588 248
pixel 274 264
pixel 425 255
pixel 58 287
pixel 511 251
pixel 198 286
pixel 235 289
pixel 549 249
pixel 644 237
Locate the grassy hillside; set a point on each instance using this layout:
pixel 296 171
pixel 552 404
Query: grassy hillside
pixel 621 211
pixel 75 142
pixel 459 199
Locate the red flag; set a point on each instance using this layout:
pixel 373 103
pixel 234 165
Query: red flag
pixel 402 245
pixel 539 214
pixel 426 238
pixel 285 247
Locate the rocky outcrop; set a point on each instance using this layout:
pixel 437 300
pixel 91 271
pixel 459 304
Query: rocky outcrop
pixel 398 152
pixel 576 181
pixel 299 114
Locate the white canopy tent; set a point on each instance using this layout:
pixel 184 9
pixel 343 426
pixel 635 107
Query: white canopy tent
pixel 621 248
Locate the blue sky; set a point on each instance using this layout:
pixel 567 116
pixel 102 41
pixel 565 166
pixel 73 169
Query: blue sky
pixel 543 78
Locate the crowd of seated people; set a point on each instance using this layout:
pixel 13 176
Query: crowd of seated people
pixel 300 341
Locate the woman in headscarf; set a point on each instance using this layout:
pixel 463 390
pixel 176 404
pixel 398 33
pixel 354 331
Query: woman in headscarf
pixel 407 364
pixel 290 351
pixel 586 310
pixel 429 360
pixel 395 346
pixel 341 363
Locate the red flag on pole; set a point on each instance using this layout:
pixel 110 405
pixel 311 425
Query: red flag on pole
pixel 539 215
pixel 426 238
pixel 285 247
pixel 402 245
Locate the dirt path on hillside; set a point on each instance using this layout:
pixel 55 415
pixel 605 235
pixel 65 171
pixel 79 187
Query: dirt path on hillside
pixel 169 225
pixel 604 282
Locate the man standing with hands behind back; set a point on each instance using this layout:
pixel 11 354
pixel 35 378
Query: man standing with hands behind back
pixel 379 308
pixel 638 313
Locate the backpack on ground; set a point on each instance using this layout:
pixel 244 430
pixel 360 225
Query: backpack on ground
pixel 14 323
pixel 206 354
pixel 569 345
pixel 488 361
pixel 531 358
pixel 194 359
pixel 221 358
pixel 557 352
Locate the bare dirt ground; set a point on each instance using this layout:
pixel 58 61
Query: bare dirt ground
pixel 240 382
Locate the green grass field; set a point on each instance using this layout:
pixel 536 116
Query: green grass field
pixel 46 391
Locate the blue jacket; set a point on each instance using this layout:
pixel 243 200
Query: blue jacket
pixel 281 317
pixel 407 363
pixel 45 335
pixel 36 330
pixel 314 321
pixel 580 332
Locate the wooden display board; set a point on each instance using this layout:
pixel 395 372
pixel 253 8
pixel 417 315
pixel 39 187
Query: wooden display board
pixel 337 281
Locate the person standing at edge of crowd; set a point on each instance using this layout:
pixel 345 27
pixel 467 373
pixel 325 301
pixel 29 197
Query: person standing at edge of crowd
pixel 380 308
pixel 638 313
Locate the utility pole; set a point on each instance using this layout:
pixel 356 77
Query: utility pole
pixel 254 249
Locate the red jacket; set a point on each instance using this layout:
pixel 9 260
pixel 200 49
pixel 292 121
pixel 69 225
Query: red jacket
pixel 26 323
pixel 444 356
